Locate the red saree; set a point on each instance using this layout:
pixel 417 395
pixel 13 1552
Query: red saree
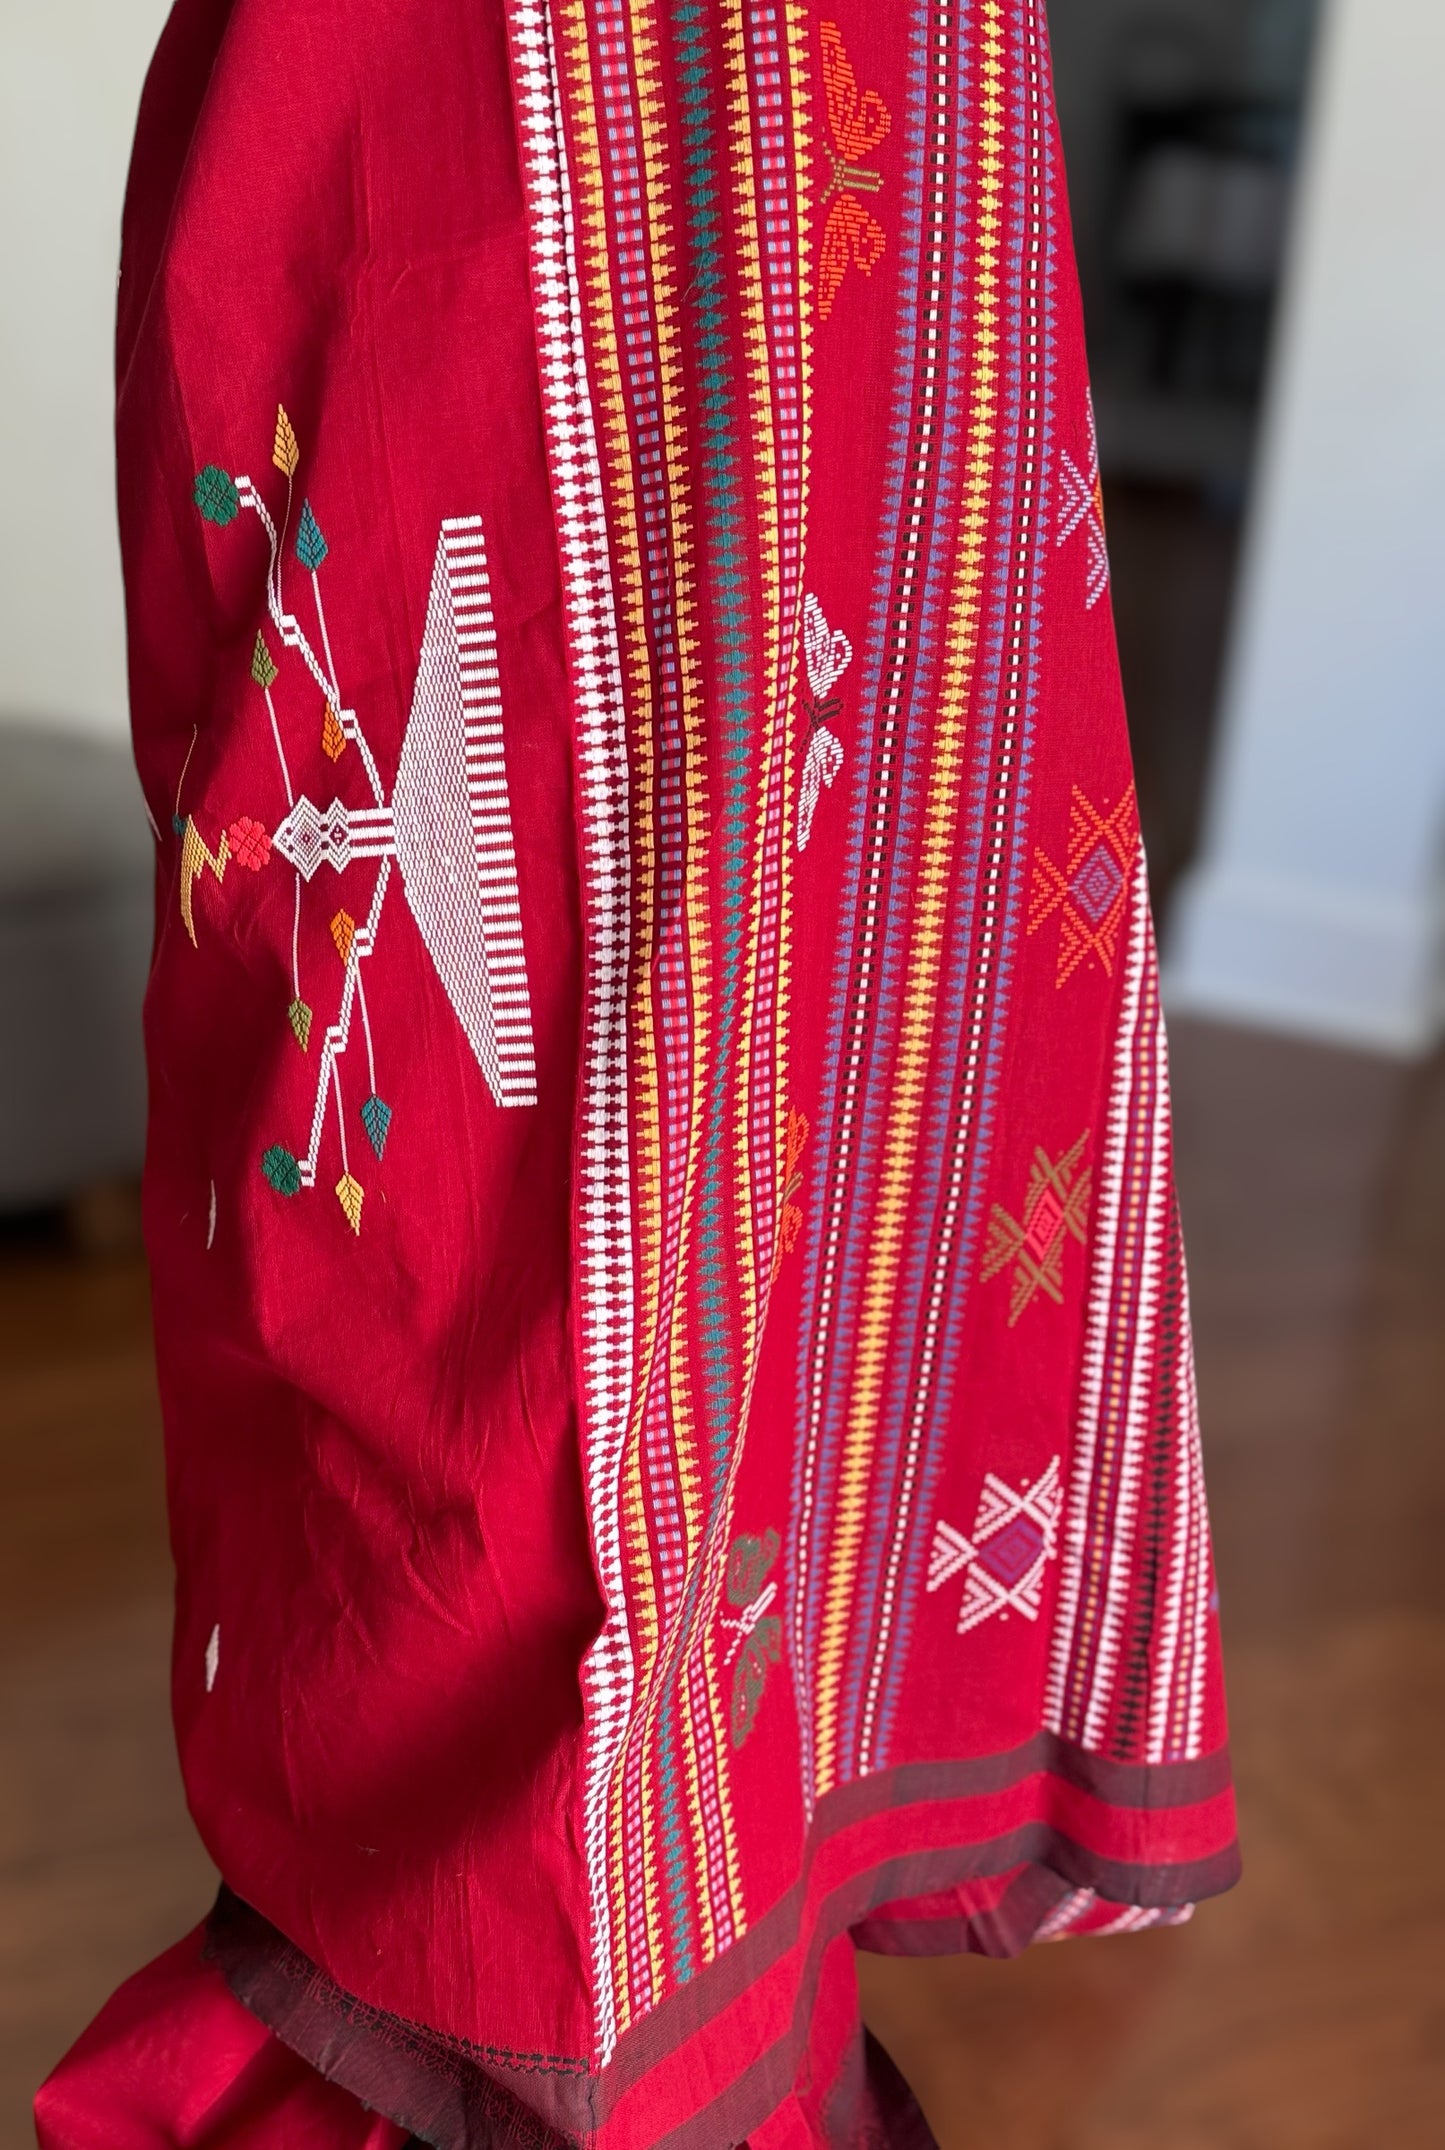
pixel 672 1328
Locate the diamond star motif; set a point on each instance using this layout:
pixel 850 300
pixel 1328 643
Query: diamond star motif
pixel 1056 1209
pixel 1015 1536
pixel 1089 893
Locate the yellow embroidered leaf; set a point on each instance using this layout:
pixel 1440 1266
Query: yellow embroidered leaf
pixel 333 738
pixel 343 932
pixel 349 1194
pixel 300 1019
pixel 286 454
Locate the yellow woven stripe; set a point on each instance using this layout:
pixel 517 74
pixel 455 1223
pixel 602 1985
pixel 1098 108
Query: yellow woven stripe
pixel 647 1015
pixel 801 79
pixel 758 408
pixel 886 1239
pixel 692 1735
pixel 661 224
pixel 659 1325
pixel 678 1652
pixel 590 195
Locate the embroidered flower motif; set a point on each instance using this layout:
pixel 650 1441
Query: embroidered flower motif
pixel 827 654
pixel 250 844
pixel 282 1169
pixel 216 496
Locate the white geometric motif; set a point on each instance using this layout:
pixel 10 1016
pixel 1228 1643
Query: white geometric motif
pixel 448 823
pixel 453 825
pixel 1015 1536
pixel 606 1313
pixel 827 654
pixel 1082 507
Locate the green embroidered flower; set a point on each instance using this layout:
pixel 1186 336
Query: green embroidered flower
pixel 216 496
pixel 282 1170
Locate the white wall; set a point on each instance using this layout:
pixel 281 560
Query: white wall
pixel 1318 905
pixel 70 80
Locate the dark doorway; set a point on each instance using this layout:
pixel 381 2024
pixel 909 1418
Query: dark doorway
pixel 1182 122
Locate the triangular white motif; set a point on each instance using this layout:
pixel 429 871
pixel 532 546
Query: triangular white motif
pixel 951 1551
pixel 452 822
pixel 1079 508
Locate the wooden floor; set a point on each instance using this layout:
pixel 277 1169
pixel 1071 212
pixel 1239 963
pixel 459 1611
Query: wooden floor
pixel 1306 2012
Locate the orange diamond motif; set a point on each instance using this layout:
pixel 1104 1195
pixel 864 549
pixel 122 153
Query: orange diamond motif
pixel 1089 894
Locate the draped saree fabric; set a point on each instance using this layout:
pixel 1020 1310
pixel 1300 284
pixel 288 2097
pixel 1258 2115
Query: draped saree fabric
pixel 672 1329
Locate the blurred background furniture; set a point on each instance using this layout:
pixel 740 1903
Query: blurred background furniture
pixel 77 867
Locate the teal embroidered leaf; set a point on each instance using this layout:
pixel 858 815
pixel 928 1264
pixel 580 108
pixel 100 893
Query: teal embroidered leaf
pixel 216 496
pixel 178 823
pixel 376 1119
pixel 282 1170
pixel 311 547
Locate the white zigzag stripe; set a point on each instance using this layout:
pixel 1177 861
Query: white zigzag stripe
pixel 604 1195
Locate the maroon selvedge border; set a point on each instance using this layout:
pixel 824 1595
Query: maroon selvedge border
pixel 458 2096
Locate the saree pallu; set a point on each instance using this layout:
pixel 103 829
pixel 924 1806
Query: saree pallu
pixel 672 1329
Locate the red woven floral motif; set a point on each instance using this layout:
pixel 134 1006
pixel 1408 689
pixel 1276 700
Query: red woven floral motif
pixel 250 844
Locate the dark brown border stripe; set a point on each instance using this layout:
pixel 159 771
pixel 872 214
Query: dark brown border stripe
pixel 464 2097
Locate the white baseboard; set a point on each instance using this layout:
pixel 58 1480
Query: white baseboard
pixel 1313 961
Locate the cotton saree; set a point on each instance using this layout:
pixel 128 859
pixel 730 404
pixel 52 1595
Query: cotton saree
pixel 672 1329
